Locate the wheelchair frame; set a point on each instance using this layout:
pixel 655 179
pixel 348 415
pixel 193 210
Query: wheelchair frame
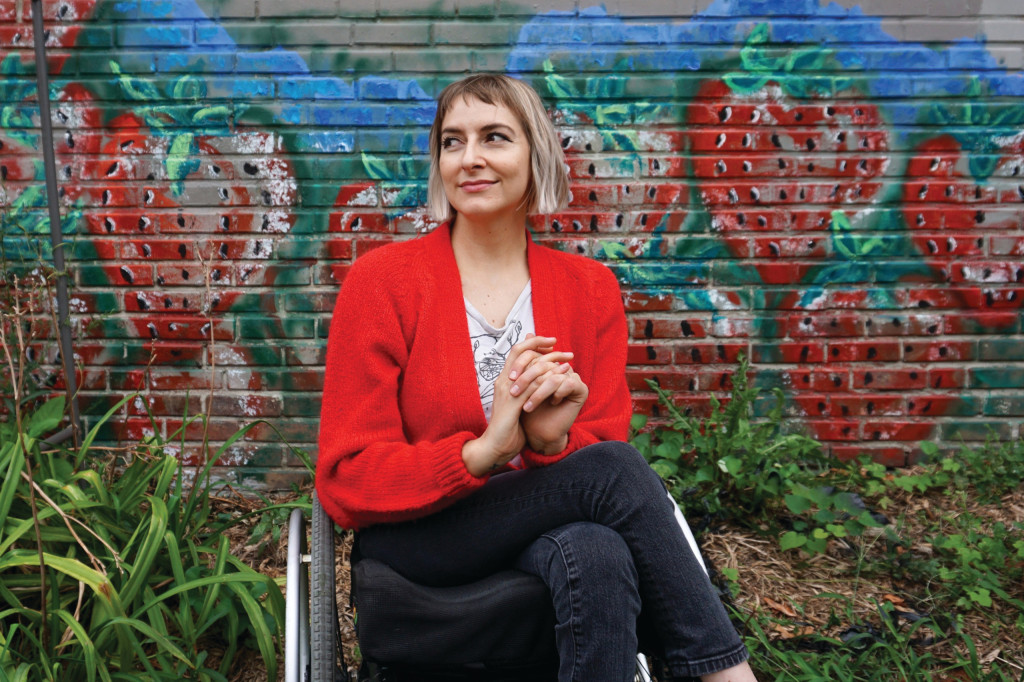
pixel 312 630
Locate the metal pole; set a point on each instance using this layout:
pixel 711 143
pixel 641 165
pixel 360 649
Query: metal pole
pixel 56 237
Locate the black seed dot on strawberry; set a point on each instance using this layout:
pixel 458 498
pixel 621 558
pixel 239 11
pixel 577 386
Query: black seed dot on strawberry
pixel 182 251
pixel 592 169
pixel 868 378
pixel 724 114
pixel 872 352
pixel 656 165
pixel 858 111
pixel 184 274
pixel 950 244
pixel 1020 188
pixel 835 352
pixel 932 247
pixel 811 144
pixel 862 165
pixel 618 220
pixel 556 226
pixel 920 219
pixel 566 141
pixel 589 147
pixel 720 166
pixel 811 244
pixel 841 137
pixel 126 274
pixel 223 193
pixel 741 218
pixel 143 223
pixel 782 163
pixel 783 195
pixel 864 144
pixel 755 194
pixel 108 224
pixel 799 116
pixel 720 140
pixel 593 223
pixel 978 242
pixel 747 139
pixel 747 167
pixel 733 196
pixel 830 111
pixel 652 192
pixel 810 167
pixel 821 221
pixel 776 141
pixel 871 407
pixel 842 165
pixel 857 191
pixel 923 192
pixel 152 331
pixel 762 221
pixel 979 217
pixel 577 225
pixel 593 196
pixel 935 164
pixel 869 323
pixel 776 251
pixel 835 191
pixel 949 190
pixel 250 168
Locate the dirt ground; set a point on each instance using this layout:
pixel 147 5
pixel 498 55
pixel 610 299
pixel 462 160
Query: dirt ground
pixel 783 584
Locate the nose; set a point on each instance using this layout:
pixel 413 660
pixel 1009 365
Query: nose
pixel 471 156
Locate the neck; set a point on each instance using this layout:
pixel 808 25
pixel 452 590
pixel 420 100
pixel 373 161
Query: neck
pixel 496 245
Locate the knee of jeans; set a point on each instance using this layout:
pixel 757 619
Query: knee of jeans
pixel 623 461
pixel 596 555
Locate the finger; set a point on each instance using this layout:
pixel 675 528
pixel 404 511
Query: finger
pixel 515 363
pixel 538 367
pixel 543 390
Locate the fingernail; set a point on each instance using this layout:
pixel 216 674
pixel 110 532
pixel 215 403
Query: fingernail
pixel 528 406
pixel 514 390
pixel 513 375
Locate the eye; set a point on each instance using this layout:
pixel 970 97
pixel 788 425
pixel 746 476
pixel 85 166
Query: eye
pixel 448 142
pixel 497 137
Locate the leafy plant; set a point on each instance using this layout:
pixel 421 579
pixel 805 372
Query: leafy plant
pixel 111 570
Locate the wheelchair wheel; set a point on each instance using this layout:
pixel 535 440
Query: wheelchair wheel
pixel 324 634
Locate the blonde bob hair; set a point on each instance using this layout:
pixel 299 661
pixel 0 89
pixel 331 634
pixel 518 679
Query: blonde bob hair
pixel 549 183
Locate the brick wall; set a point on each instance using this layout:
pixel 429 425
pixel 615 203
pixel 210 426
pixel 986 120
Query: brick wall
pixel 834 189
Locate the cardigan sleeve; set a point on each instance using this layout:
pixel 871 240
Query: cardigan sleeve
pixel 367 470
pixel 606 413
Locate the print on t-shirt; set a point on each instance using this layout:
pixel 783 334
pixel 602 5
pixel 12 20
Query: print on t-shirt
pixel 489 352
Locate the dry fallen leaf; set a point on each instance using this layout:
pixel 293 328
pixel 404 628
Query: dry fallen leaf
pixel 784 609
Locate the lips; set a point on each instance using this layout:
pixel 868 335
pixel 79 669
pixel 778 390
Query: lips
pixel 476 185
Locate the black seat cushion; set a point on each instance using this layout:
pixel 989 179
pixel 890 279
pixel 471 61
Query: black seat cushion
pixel 506 618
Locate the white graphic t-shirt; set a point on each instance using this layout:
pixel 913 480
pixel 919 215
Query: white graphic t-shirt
pixel 491 346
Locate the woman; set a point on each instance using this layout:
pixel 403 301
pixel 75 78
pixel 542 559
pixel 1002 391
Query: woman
pixel 475 405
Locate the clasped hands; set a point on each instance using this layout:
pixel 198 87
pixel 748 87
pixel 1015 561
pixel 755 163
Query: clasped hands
pixel 537 397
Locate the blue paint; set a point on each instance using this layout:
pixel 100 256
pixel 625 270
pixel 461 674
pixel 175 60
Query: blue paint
pixel 315 88
pixel 375 87
pixel 276 60
pixel 173 9
pixel 325 142
pixel 349 115
pixel 163 35
pixel 411 114
pixel 192 62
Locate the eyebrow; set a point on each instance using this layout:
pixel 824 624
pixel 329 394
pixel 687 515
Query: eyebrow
pixel 484 129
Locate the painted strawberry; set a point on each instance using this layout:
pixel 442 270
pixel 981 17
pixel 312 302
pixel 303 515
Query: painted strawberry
pixel 965 187
pixel 766 142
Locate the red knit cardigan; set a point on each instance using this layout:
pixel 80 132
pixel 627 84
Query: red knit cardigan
pixel 400 392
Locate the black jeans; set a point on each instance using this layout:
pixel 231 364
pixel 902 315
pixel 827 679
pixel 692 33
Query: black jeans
pixel 599 529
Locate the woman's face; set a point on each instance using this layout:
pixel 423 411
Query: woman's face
pixel 484 160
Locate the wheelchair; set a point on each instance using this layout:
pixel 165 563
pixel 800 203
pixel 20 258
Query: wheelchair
pixel 411 632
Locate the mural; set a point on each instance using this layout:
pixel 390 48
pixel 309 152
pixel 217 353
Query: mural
pixel 760 179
